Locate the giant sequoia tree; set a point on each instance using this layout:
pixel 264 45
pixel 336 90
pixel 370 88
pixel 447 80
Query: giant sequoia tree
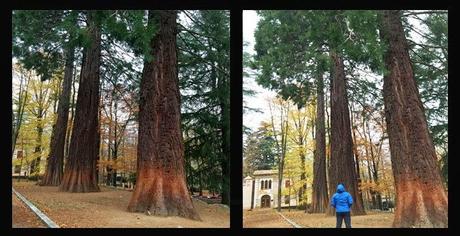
pixel 55 161
pixel 342 166
pixel 80 169
pixel 161 186
pixel 421 199
pixel 288 69
pixel 319 193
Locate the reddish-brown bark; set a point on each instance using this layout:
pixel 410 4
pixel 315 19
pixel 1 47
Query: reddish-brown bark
pixel 421 200
pixel 80 170
pixel 342 163
pixel 161 185
pixel 319 191
pixel 55 161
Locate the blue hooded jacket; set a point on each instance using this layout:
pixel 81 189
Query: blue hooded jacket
pixel 341 200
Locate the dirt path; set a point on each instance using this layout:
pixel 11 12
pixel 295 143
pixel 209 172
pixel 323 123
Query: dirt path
pixel 264 218
pixel 370 220
pixel 108 209
pixel 23 217
pixel 268 218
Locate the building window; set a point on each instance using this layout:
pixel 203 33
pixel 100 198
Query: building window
pixel 17 169
pixel 288 183
pixel 19 154
pixel 265 184
pixel 287 199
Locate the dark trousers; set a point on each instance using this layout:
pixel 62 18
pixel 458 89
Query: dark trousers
pixel 343 216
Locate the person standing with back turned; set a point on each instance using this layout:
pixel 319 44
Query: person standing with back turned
pixel 342 202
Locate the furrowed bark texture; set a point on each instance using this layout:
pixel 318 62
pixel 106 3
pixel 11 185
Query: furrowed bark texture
pixel 161 187
pixel 80 170
pixel 342 169
pixel 319 193
pixel 421 200
pixel 55 161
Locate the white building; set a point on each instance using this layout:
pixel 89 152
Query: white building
pixel 22 167
pixel 261 190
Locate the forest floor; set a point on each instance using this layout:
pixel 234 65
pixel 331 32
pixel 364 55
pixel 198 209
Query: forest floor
pixel 23 217
pixel 264 218
pixel 106 209
pixel 269 218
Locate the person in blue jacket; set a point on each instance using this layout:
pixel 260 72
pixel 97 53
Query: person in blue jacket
pixel 342 202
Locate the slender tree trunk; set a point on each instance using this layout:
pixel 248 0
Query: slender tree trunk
pixel 342 168
pixel 289 196
pixel 35 167
pixel 72 115
pixel 328 140
pixel 284 129
pixel 161 187
pixel 421 200
pixel 280 183
pixel 370 192
pixel 225 162
pixel 303 177
pixel 80 169
pixel 301 142
pixel 319 188
pixel 40 114
pixel 109 145
pixel 115 142
pixel 356 154
pixel 55 161
pixel 22 101
pixel 224 103
pixel 377 199
pixel 200 185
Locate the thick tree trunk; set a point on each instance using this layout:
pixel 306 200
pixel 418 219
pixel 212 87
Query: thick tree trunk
pixel 161 187
pixel 421 198
pixel 55 161
pixel 342 169
pixel 319 193
pixel 80 169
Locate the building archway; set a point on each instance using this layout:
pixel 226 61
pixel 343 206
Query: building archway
pixel 265 201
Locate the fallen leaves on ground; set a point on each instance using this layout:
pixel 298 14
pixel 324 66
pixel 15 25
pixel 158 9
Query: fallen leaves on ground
pixel 108 209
